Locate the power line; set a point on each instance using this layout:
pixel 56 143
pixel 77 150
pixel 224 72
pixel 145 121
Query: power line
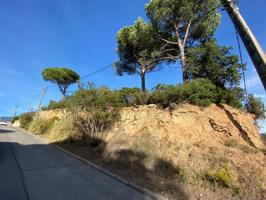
pixel 95 72
pixel 242 64
pixel 57 30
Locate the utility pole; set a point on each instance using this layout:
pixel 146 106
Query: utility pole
pixel 253 47
pixel 15 111
pixel 40 103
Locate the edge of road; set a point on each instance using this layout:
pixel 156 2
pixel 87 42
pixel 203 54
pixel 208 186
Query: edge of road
pixel 99 168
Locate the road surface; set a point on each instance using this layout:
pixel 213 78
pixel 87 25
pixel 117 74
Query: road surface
pixel 33 170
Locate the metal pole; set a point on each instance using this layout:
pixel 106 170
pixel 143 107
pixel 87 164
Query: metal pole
pixel 40 103
pixel 253 47
pixel 15 111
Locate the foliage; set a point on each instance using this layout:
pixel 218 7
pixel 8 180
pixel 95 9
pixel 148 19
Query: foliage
pixel 53 105
pixel 199 92
pixel 184 22
pixel 222 176
pixel 256 107
pixel 214 62
pixel 139 50
pixel 127 96
pixel 233 96
pixel 25 120
pixel 14 119
pixel 94 110
pixel 63 77
pixel 166 94
pixel 40 126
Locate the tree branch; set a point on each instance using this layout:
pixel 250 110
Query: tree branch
pixel 187 31
pixel 167 41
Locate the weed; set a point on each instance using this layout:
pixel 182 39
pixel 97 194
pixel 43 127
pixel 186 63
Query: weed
pixel 222 176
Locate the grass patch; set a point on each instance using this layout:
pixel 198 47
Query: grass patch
pixel 221 176
pixel 231 143
pixel 40 126
pixel 63 129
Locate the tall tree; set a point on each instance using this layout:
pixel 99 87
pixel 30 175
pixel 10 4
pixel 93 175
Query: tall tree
pixel 214 62
pixel 140 51
pixel 63 77
pixel 184 21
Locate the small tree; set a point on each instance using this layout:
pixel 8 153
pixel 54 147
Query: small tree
pixel 184 22
pixel 214 62
pixel 139 50
pixel 63 77
pixel 256 107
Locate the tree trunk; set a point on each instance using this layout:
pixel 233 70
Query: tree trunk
pixel 183 62
pixel 143 84
pixel 181 46
pixel 63 97
pixel 63 94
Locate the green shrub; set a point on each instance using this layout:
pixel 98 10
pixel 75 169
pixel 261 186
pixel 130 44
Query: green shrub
pixel 222 176
pixel 25 120
pixel 256 107
pixel 127 96
pixel 94 110
pixel 166 94
pixel 233 97
pixel 231 143
pixel 40 126
pixel 53 105
pixel 14 119
pixel 200 92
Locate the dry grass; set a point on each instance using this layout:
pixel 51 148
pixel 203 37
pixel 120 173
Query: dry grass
pixel 178 153
pixel 40 126
pixel 62 130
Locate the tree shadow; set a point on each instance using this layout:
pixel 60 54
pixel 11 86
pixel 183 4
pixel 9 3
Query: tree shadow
pixel 163 177
pixel 22 167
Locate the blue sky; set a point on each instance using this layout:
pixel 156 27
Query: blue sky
pixel 32 38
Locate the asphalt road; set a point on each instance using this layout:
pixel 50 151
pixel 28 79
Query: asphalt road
pixel 33 170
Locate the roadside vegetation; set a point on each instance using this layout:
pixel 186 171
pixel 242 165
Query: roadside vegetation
pixel 211 75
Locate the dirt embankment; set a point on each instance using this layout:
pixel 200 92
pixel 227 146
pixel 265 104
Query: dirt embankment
pixel 186 152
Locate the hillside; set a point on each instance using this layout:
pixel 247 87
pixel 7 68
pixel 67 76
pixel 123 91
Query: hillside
pixel 183 152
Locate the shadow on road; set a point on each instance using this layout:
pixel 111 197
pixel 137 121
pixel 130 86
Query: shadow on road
pixel 5 131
